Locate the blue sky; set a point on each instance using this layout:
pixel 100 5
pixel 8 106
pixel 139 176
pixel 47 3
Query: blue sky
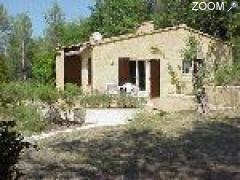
pixel 73 9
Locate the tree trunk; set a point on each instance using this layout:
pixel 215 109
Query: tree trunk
pixel 23 61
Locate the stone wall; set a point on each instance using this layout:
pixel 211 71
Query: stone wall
pixel 223 96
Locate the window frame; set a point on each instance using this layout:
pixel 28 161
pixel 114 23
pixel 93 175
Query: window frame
pixel 190 67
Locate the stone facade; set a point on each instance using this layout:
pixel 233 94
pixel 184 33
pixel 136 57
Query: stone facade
pixel 165 45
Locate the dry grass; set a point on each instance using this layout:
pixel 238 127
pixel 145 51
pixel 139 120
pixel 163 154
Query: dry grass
pixel 154 146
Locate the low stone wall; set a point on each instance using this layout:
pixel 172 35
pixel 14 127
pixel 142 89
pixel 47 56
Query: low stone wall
pixel 223 96
pixel 109 116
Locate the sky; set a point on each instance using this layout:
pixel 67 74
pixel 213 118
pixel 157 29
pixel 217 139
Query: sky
pixel 36 9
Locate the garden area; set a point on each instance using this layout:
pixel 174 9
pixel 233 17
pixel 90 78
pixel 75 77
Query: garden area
pixel 36 107
pixel 153 146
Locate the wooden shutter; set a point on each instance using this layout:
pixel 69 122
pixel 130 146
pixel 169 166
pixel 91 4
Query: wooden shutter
pixel 123 71
pixel 155 78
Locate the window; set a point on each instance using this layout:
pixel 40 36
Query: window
pixel 187 67
pixel 89 71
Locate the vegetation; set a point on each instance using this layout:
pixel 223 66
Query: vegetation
pixel 27 76
pixel 106 101
pixel 175 80
pixel 28 120
pixel 155 145
pixel 228 75
pixel 3 69
pixel 11 147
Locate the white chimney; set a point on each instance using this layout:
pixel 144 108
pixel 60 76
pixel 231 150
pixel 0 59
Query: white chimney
pixel 96 37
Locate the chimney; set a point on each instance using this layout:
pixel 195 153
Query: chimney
pixel 145 27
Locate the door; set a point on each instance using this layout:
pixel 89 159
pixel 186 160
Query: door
pixel 155 78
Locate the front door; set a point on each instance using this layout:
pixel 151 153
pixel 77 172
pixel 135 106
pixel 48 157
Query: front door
pixel 155 78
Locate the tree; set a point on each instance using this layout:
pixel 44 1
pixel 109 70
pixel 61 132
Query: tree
pixel 174 12
pixel 43 64
pixel 55 20
pixel 3 69
pixel 4 28
pixel 76 31
pixel 112 17
pixel 19 46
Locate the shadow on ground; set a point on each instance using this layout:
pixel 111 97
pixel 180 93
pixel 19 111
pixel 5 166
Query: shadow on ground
pixel 209 151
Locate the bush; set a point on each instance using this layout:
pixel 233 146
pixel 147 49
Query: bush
pixel 27 118
pixel 101 100
pixel 96 100
pixel 46 93
pixel 11 146
pixel 14 92
pixel 228 75
pixel 129 101
pixel 223 76
pixel 70 92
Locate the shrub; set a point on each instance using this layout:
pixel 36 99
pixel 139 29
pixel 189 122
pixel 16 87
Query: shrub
pixel 46 93
pixel 11 146
pixel 228 75
pixel 96 100
pixel 71 92
pixel 27 118
pixel 223 75
pixel 107 101
pixel 12 93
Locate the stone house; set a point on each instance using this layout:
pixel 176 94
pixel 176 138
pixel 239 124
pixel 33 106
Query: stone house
pixel 141 58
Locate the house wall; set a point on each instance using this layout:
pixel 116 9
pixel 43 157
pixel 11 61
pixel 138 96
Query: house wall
pixel 166 46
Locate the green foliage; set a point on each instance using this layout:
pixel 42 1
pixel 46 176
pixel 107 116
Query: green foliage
pixel 55 20
pixel 123 101
pixel 118 17
pixel 191 50
pixel 96 100
pixel 170 13
pixel 81 29
pixel 11 147
pixel 43 66
pixel 71 91
pixel 46 93
pixel 27 119
pixel 175 80
pixel 228 75
pixel 13 93
pixel 4 27
pixel 19 47
pixel 3 69
pixel 106 101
